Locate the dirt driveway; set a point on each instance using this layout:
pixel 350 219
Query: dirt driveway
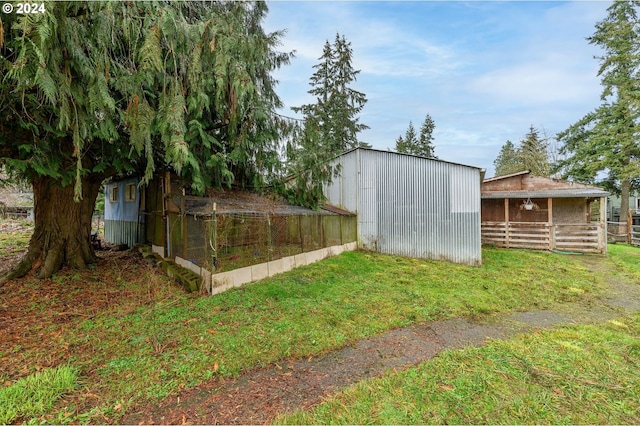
pixel 258 396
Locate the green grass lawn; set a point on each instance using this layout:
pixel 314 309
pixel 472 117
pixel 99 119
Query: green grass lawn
pixel 151 340
pixel 158 349
pixel 626 258
pixel 575 375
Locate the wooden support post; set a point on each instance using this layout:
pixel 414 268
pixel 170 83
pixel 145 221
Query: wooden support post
pixel 629 226
pixel 506 222
pixel 300 233
pixel 165 216
pixel 602 238
pixel 552 227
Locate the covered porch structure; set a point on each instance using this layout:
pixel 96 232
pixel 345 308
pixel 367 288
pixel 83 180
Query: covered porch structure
pixel 525 211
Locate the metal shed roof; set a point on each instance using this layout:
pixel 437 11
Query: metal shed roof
pixel 407 155
pixel 547 193
pixel 524 172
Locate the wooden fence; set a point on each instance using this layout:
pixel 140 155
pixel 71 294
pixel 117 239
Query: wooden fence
pixel 624 231
pixel 585 237
pixel 634 235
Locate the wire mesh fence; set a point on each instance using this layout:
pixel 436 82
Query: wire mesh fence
pixel 222 242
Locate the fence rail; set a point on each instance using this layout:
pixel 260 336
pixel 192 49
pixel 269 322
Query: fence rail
pixel 543 235
pixel 624 232
pixel 635 235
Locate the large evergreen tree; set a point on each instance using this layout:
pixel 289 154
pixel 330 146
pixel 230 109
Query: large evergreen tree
pixel 530 154
pixel 330 126
pixel 421 145
pixel 507 161
pixel 335 112
pixel 91 90
pixel 426 147
pixel 410 139
pixel 606 139
pixel 533 153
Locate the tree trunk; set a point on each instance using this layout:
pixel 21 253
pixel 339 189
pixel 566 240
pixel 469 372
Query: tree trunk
pixel 62 232
pixel 625 192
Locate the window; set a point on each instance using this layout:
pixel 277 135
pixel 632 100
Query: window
pixel 130 192
pixel 113 194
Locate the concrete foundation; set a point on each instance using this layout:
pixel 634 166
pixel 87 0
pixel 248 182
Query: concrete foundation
pixel 225 280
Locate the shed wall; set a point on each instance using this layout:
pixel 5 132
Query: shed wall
pixel 492 210
pixel 121 209
pixel 570 211
pixel 519 214
pixel 123 222
pixel 124 232
pixel 411 206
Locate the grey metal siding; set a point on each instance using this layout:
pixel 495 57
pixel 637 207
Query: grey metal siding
pixel 413 206
pixel 124 232
pixel 342 192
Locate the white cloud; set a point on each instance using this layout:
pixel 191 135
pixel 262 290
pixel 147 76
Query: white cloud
pixel 485 71
pixel 535 83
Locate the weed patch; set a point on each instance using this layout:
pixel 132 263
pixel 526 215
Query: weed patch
pixel 34 395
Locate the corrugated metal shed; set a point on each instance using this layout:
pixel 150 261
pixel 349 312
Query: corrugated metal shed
pixel 411 206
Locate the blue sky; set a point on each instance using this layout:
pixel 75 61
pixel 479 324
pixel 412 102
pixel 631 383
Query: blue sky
pixel 484 70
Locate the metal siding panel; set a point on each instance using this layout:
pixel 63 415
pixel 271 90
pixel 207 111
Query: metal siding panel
pixel 333 190
pixel 349 188
pixel 417 197
pixel 122 232
pixel 367 166
pixel 412 206
pixel 342 191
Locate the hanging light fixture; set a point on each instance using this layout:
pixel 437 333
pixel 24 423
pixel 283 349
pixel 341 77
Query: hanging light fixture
pixel 529 205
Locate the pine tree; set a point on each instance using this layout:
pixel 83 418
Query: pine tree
pixel 507 161
pixel 331 124
pixel 337 105
pixel 606 139
pixel 347 102
pixel 406 144
pixel 532 153
pixel 425 147
pixel 418 145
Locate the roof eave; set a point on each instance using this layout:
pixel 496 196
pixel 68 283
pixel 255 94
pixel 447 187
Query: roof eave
pixel 544 194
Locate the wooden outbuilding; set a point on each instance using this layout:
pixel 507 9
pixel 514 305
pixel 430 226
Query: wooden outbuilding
pixel 525 211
